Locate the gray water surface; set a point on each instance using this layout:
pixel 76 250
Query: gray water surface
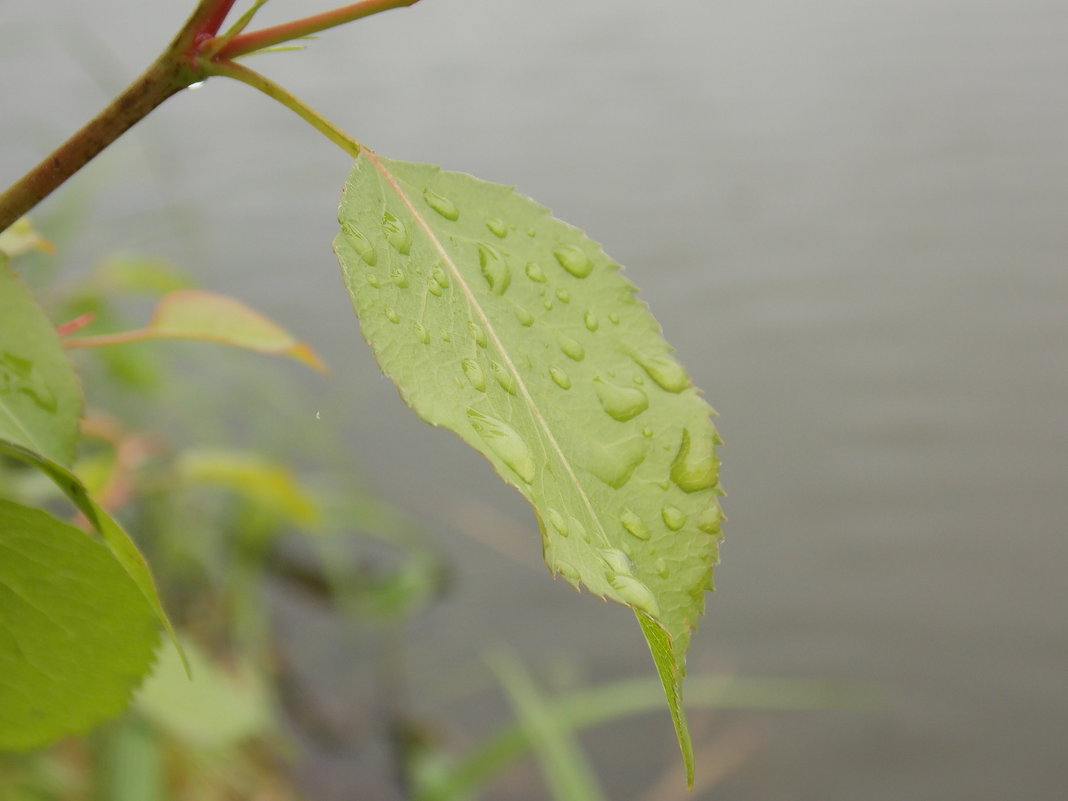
pixel 852 221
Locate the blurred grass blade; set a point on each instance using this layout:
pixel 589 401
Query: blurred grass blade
pixel 568 774
pixel 591 707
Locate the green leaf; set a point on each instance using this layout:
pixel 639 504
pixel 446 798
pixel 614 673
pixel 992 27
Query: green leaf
pixel 40 401
pixel 118 541
pixel 517 332
pixel 76 635
pixel 200 315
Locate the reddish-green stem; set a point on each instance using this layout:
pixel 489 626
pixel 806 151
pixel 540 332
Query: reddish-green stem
pixel 245 43
pixel 197 52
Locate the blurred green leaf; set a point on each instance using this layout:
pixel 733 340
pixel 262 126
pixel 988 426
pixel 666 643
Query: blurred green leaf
pixel 21 237
pixel 77 633
pixel 199 315
pixel 262 482
pixel 216 708
pixel 40 401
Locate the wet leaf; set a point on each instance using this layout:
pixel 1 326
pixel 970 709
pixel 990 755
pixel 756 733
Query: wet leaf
pixel 196 314
pixel 517 332
pixel 78 635
pixel 40 401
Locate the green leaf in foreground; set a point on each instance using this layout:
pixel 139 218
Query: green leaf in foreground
pixel 517 332
pixel 199 315
pixel 40 401
pixel 115 538
pixel 76 635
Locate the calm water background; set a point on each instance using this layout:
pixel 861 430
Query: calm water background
pixel 852 221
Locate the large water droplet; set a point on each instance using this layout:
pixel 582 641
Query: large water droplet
pixel 396 233
pixel 635 525
pixel 558 522
pixel 618 562
pixel 572 349
pixel 441 204
pixel 474 373
pixel 621 403
pixel 674 518
pixel 631 591
pixel 534 272
pixel 499 228
pixel 398 277
pixel 506 443
pixel 494 269
pixel 560 378
pixel 478 333
pixel 360 243
pixel 664 370
pixel 695 466
pixel 591 321
pixel 613 464
pixel 391 315
pixel 573 259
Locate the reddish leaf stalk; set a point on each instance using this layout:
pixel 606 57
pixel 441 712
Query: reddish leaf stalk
pixel 245 43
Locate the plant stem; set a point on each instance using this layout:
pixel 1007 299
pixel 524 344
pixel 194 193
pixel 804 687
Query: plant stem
pixel 239 72
pixel 245 43
pixel 169 74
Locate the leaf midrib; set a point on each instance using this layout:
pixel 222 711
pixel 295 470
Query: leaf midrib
pixel 535 411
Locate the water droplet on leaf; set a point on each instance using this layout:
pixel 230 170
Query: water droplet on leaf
pixel 664 370
pixel 474 374
pixel 635 525
pixel 674 518
pixel 572 349
pixel 563 295
pixel 560 378
pixel 398 277
pixel 710 519
pixel 499 228
pixel 494 269
pixel 633 592
pixel 504 378
pixel 360 243
pixel 505 442
pixel 441 204
pixel 620 403
pixel 525 318
pixel 478 333
pixel 591 321
pixel 695 466
pixel 558 522
pixel 391 315
pixel 396 233
pixel 422 333
pixel 534 272
pixel 574 260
